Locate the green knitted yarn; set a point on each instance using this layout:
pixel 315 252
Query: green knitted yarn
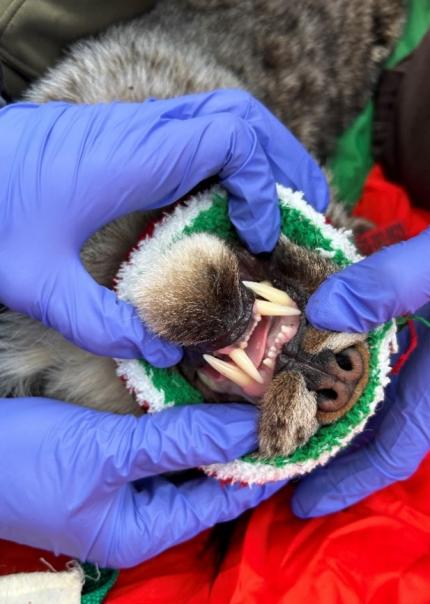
pixel 175 387
pixel 98 582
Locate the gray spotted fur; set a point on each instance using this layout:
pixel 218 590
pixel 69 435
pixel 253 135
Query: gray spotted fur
pixel 313 62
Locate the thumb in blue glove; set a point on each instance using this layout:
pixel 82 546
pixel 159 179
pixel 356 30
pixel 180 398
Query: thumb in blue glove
pixel 67 477
pixel 67 170
pixel 387 284
pixel 391 282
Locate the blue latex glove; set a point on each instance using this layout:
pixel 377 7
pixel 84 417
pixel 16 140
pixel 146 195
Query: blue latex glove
pixel 389 283
pixel 66 477
pixel 66 170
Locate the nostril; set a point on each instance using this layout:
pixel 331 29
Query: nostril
pixel 344 380
pixel 333 398
pixel 327 393
pixel 347 365
pixel 342 373
pixel 344 361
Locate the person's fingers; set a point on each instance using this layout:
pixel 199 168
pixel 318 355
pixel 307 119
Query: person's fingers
pixel 290 162
pixel 400 442
pixel 351 478
pixel 184 152
pixel 165 515
pixel 387 284
pixel 92 317
pixel 180 438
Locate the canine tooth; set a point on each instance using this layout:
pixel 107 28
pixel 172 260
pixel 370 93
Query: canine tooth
pixel 243 361
pixel 274 310
pixel 272 353
pixel 286 330
pixel 243 344
pixel 231 372
pixel 269 363
pixel 267 291
pixel 205 379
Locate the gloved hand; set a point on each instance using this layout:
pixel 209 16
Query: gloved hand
pixel 66 477
pixel 389 283
pixel 66 170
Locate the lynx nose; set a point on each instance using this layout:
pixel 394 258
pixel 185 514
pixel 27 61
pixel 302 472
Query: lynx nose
pixel 338 379
pixel 342 374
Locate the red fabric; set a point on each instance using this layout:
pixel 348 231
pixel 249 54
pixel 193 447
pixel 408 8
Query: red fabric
pixel 385 203
pixel 376 552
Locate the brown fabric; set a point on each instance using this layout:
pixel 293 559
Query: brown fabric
pixel 33 33
pixel 402 124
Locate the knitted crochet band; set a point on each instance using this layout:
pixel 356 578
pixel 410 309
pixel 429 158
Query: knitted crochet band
pixel 157 389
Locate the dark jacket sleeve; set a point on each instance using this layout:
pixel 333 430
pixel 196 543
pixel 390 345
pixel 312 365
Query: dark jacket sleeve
pixel 34 33
pixel 401 131
pixel 2 99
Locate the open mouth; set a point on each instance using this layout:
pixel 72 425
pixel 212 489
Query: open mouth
pixel 246 367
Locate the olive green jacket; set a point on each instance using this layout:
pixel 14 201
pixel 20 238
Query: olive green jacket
pixel 34 33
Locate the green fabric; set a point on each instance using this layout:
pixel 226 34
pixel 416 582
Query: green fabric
pixel 34 33
pixel 353 158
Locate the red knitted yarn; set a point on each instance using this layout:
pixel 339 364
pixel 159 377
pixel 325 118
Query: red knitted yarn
pixel 413 343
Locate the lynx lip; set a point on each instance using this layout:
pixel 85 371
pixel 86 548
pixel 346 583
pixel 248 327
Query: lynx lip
pixel 246 367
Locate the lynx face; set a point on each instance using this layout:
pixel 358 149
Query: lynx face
pixel 241 321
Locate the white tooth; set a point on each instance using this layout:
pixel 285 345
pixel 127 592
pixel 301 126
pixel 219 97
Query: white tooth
pixel 270 293
pixel 269 363
pixel 243 361
pixel 231 372
pixel 286 330
pixel 205 379
pixel 274 310
pixel 243 344
pixel 272 353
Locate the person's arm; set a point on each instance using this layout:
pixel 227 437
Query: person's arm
pixel 392 282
